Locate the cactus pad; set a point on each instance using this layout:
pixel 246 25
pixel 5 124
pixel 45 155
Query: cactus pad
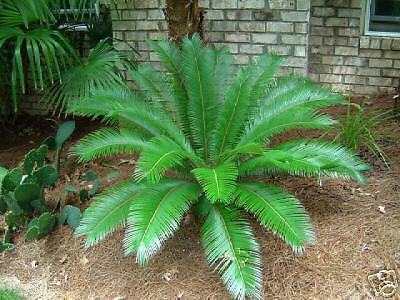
pixel 40 227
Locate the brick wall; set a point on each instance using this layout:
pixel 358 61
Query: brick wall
pixel 250 28
pixel 247 27
pixel 341 57
pixel 321 38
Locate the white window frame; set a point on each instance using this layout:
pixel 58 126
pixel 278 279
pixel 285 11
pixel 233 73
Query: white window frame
pixel 367 16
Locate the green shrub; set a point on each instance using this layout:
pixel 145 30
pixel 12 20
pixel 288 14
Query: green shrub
pixel 10 294
pixel 203 136
pixel 358 130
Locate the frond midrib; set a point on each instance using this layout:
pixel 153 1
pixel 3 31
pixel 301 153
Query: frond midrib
pixel 110 213
pixel 236 262
pixel 157 209
pixel 231 116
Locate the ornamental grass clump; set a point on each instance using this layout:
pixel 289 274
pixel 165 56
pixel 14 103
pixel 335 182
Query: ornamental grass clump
pixel 203 132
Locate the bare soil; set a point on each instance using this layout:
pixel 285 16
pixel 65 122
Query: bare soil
pixel 357 228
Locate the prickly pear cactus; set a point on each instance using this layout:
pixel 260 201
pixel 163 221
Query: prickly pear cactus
pixel 25 194
pixel 22 191
pixel 70 215
pixel 14 220
pixel 11 180
pixel 40 227
pixel 35 159
pixel 6 247
pixel 46 175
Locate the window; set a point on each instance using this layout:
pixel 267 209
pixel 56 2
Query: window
pixel 74 15
pixel 383 17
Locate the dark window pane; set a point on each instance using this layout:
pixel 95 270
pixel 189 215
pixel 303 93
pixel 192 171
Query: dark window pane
pixel 387 8
pixel 385 16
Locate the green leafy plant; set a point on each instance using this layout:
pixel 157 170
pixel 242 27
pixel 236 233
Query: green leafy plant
pixel 357 130
pixel 22 190
pixel 27 26
pixel 101 69
pixel 203 135
pixel 56 143
pixel 70 215
pixel 40 227
pixel 22 194
pixel 10 294
pixel 43 58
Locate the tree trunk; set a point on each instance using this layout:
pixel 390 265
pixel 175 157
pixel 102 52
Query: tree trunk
pixel 184 17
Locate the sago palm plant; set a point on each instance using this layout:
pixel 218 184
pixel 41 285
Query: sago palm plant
pixel 203 137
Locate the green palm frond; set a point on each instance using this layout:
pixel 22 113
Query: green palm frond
pixel 270 126
pixel 154 87
pixel 171 57
pixel 248 149
pixel 114 107
pixel 198 64
pixel 159 155
pixel 241 99
pixel 105 142
pixel 222 73
pixel 234 112
pixel 14 13
pixel 108 211
pixel 278 211
pixel 231 248
pixel 263 70
pixel 219 183
pixel 288 92
pixel 247 87
pixel 37 43
pixel 291 103
pixel 100 70
pixel 307 158
pixel 155 215
pixel 102 104
pixel 118 105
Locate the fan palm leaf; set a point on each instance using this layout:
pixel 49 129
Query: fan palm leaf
pixel 78 81
pixel 26 26
pixel 15 13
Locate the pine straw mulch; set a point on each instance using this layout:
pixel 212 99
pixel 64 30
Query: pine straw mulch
pixel 355 239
